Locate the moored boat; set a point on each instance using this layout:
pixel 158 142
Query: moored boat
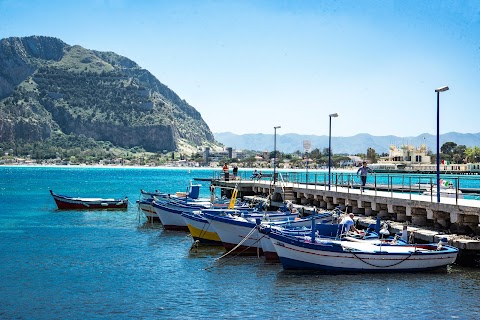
pixel 238 232
pixel 327 229
pixel 145 206
pixel 80 203
pixel 170 213
pixel 300 253
pixel 200 228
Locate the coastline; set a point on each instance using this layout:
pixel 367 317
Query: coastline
pixel 185 168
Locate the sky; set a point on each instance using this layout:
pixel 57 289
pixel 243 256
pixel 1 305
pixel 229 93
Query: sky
pixel 248 66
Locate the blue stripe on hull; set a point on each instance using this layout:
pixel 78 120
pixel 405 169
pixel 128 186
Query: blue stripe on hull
pixel 290 264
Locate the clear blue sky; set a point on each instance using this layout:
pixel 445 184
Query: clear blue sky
pixel 248 66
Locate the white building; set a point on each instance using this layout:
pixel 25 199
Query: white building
pixel 407 154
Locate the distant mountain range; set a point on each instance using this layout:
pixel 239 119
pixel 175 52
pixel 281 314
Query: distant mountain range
pixel 350 145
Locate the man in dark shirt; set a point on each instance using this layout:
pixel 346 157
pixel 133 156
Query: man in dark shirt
pixel 363 171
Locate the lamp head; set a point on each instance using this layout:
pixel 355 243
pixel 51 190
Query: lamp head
pixel 441 89
pixel 334 115
pixel 277 127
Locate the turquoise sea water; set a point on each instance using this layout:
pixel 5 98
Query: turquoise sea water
pixel 108 265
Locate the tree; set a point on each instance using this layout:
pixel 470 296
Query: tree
pixel 325 152
pixel 272 154
pixel 447 148
pixel 371 155
pixel 459 154
pixel 473 154
pixel 315 154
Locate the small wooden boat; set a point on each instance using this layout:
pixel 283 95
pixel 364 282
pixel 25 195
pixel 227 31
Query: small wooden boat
pixel 200 229
pixel 239 232
pixel 77 203
pixel 300 253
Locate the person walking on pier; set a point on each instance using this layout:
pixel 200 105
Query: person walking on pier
pixel 363 171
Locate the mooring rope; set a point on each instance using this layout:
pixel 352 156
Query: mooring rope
pixel 239 244
pixel 371 264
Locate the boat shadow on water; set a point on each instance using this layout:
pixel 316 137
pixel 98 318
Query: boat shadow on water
pixel 196 251
pixel 377 274
pixel 147 225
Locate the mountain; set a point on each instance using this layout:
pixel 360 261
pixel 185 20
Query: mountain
pixel 48 87
pixel 359 143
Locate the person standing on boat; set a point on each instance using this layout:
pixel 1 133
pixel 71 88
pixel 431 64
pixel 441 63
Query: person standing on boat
pixel 348 223
pixel 225 171
pixel 363 171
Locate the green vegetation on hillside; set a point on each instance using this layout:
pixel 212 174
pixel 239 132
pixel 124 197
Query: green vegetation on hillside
pixel 50 87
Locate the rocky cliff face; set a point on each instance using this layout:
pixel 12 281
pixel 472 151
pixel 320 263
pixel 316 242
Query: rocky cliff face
pixel 48 86
pixel 19 57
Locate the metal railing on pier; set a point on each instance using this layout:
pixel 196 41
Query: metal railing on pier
pixel 458 187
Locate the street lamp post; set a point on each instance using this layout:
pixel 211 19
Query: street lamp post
pixel 275 154
pixel 329 144
pixel 438 90
pixel 307 145
pixel 306 167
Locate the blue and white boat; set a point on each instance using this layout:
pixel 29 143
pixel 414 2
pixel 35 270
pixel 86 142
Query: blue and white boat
pixel 239 233
pixel 327 229
pixel 301 253
pixel 170 210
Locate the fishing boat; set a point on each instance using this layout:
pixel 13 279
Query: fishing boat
pixel 239 233
pixel 170 209
pixel 200 228
pixel 203 231
pixel 301 253
pixel 145 206
pixel 151 194
pixel 170 212
pixel 332 229
pixel 145 203
pixel 79 203
pixel 191 194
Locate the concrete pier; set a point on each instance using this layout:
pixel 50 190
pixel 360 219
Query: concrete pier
pixel 456 219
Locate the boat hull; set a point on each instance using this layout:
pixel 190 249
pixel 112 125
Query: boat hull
pixel 324 229
pixel 146 208
pixel 243 236
pixel 200 229
pixel 72 203
pixel 334 256
pixel 232 233
pixel 170 215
